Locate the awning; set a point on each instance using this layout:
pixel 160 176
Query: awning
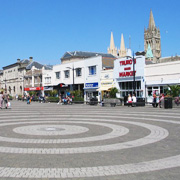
pixel 104 88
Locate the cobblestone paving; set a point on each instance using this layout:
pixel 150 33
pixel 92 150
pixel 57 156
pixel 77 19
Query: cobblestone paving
pixel 81 142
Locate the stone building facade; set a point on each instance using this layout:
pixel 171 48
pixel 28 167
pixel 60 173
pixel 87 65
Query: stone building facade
pixel 20 75
pixel 13 77
pixel 152 40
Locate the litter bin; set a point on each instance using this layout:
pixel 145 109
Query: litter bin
pixel 167 103
pixel 140 102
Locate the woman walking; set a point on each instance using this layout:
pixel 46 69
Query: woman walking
pixel 6 99
pixel 1 99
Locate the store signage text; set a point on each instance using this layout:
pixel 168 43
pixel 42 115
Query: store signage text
pixel 127 62
pixel 127 70
pixel 106 76
pixel 128 73
pixel 91 85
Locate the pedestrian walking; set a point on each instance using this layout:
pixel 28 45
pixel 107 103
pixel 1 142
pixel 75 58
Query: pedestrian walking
pixel 161 100
pixel 154 103
pixel 60 99
pixel 1 99
pixel 6 99
pixel 28 99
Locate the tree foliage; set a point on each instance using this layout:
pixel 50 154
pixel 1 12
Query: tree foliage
pixel 174 90
pixel 113 92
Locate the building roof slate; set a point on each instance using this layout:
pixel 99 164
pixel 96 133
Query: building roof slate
pixel 84 54
pixel 38 66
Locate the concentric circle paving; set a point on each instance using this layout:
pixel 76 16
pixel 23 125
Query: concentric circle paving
pixel 81 141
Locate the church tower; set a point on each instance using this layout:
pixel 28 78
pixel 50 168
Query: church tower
pixel 122 51
pixel 152 39
pixel 112 49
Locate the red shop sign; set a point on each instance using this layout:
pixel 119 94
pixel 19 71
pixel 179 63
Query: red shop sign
pixel 34 89
pixel 127 62
pixel 127 73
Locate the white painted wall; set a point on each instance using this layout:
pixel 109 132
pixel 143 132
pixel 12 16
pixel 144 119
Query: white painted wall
pixel 68 66
pixel 94 61
pixel 83 79
pixel 163 73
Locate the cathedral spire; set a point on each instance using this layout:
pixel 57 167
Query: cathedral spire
pixel 151 21
pixel 112 49
pixel 122 51
pixel 112 45
pixel 122 47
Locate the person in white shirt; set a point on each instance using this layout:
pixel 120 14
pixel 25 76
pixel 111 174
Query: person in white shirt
pixel 129 100
pixel 133 100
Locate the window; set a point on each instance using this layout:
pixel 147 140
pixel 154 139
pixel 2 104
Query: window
pixel 30 80
pixel 78 72
pixel 92 70
pixel 66 74
pixel 128 88
pixel 58 75
pixel 35 80
pixel 47 79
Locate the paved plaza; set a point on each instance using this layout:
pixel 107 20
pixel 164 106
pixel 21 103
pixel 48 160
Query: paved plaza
pixel 82 142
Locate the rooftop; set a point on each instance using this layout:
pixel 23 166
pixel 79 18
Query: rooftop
pixel 83 54
pixel 38 66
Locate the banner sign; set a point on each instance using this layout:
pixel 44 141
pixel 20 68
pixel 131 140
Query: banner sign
pixel 91 85
pixel 127 70
pixel 34 89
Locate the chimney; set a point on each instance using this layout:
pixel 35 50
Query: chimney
pixel 18 60
pixel 30 59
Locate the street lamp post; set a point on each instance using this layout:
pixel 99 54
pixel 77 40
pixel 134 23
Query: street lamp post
pixel 73 76
pixel 5 85
pixel 134 74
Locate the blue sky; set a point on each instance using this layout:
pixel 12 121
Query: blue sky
pixel 46 29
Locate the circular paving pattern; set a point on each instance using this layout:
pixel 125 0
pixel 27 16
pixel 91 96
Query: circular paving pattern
pixel 50 130
pixel 82 142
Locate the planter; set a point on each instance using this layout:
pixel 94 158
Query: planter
pixel 112 101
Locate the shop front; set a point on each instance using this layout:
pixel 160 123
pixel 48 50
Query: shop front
pixel 159 77
pixel 106 83
pixel 90 91
pixel 129 78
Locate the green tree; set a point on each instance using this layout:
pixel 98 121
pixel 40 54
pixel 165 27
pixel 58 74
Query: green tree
pixel 113 92
pixel 53 93
pixel 78 95
pixel 173 90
